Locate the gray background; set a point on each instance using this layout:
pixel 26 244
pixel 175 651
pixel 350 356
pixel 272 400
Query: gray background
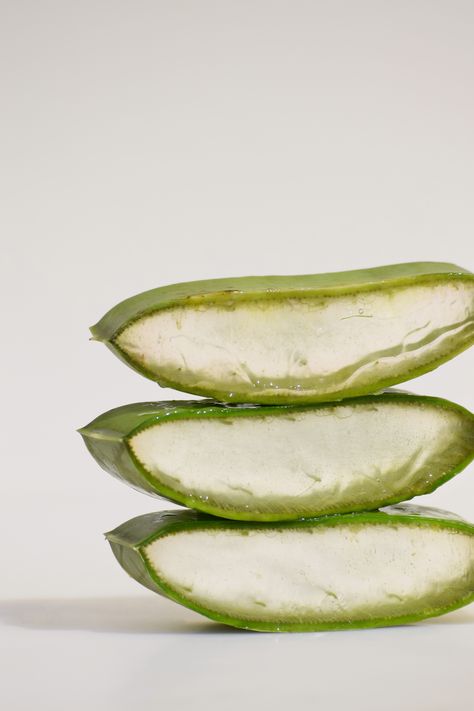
pixel 144 143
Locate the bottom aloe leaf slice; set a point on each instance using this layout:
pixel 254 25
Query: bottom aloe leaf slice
pixel 284 462
pixel 397 565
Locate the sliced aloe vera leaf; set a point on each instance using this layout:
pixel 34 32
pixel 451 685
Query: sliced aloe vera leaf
pixel 280 462
pixel 393 566
pixel 296 338
pixel 271 463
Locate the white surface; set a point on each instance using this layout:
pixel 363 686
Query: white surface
pixel 145 653
pixel 152 142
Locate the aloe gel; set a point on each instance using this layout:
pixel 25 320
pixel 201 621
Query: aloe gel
pixel 289 339
pixel 267 463
pixel 370 569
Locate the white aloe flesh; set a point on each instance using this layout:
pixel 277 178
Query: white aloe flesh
pixel 317 575
pixel 309 461
pixel 303 346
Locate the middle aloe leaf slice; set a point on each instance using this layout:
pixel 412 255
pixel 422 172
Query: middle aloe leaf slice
pixel 270 463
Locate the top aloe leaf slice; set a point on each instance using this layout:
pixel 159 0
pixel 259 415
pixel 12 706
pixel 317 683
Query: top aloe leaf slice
pixel 296 338
pixel 397 565
pixel 282 462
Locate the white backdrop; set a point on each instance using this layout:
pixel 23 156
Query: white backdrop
pixel 150 142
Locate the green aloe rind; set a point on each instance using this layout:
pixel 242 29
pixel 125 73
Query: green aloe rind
pixel 368 302
pixel 380 478
pixel 416 535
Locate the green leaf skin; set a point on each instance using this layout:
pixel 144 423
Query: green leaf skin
pixel 110 440
pixel 130 542
pixel 272 291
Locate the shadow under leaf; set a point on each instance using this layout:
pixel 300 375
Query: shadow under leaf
pixel 137 615
pixel 123 615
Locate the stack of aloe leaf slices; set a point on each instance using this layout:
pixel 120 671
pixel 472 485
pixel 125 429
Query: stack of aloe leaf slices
pixel 294 479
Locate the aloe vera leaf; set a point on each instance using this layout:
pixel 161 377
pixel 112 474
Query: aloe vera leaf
pixel 296 338
pixel 281 462
pixel 369 569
